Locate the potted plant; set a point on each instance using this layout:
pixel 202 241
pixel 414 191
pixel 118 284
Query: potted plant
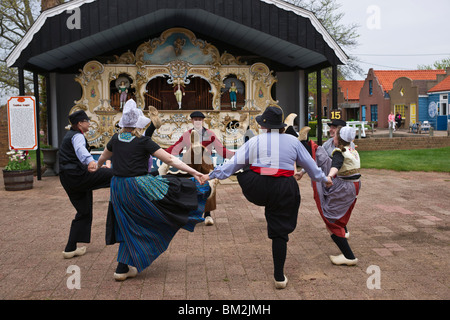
pixel 18 173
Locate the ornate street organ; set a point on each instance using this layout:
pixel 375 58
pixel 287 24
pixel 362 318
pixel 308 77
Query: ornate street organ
pixel 176 73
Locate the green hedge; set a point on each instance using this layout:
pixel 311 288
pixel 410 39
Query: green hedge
pixel 313 126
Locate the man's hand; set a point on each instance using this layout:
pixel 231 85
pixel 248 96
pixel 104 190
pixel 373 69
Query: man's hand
pixel 92 166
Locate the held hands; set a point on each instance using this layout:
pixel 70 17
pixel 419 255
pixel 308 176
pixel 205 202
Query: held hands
pixel 92 166
pixel 329 183
pixel 204 178
pixel 198 177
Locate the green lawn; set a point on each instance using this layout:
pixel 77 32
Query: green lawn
pixel 407 160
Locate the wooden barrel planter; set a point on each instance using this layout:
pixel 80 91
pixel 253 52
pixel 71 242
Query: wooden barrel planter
pixel 18 180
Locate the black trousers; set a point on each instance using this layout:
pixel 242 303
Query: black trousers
pixel 280 196
pixel 79 188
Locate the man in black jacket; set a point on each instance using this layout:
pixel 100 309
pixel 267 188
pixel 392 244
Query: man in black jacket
pixel 75 163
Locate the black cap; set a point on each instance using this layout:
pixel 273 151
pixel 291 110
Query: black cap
pixel 337 123
pixel 272 118
pixel 197 114
pixel 78 116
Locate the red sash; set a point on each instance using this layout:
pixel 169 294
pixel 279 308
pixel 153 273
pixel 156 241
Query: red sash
pixel 273 172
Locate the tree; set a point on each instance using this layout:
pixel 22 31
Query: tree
pixel 327 12
pixel 16 17
pixel 438 65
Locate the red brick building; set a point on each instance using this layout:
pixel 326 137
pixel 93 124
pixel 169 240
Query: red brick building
pixel 348 98
pixel 393 90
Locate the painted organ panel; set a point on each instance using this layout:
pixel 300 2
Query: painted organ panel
pixel 176 73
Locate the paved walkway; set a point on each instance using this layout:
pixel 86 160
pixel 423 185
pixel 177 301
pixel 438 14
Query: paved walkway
pixel 399 231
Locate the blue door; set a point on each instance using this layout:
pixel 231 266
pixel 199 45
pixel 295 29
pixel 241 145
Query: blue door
pixel 442 123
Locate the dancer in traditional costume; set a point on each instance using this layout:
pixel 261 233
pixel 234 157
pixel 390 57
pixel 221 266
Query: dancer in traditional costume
pixel 268 161
pixel 148 210
pixel 203 163
pixel 75 163
pixel 335 204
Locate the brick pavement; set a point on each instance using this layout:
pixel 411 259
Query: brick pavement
pixel 400 228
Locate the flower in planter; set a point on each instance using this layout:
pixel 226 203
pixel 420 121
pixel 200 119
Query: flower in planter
pixel 18 160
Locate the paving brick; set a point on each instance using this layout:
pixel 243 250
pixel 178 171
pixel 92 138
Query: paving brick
pixel 407 240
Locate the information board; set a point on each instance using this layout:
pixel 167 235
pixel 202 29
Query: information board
pixel 22 123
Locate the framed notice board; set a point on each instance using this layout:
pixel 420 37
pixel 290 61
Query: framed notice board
pixel 22 123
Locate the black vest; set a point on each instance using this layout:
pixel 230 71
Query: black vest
pixel 68 159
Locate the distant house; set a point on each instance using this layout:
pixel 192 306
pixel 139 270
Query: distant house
pixel 394 90
pixel 434 106
pixel 348 98
pixel 374 100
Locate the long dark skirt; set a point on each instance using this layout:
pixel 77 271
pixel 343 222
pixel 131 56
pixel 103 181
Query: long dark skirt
pixel 148 212
pixel 280 196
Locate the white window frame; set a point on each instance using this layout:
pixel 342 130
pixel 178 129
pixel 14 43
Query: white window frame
pixel 443 99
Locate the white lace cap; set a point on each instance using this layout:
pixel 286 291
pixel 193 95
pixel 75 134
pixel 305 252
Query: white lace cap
pixel 133 117
pixel 347 134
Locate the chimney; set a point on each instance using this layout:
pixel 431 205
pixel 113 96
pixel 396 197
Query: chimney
pixel 47 4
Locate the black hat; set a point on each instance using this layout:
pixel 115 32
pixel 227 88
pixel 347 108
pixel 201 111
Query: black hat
pixel 337 123
pixel 78 116
pixel 197 114
pixel 272 118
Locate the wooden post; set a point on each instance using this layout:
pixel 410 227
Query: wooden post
pixel 38 151
pixel 334 97
pixel 21 82
pixel 319 105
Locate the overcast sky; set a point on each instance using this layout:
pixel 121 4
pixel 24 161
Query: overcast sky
pixel 399 34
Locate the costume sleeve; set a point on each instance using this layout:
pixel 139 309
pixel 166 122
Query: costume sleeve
pixel 151 145
pixel 110 143
pixel 237 162
pixel 79 145
pixel 220 148
pixel 178 146
pixel 338 159
pixel 305 160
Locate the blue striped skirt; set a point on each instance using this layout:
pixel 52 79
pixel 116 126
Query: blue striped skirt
pixel 150 210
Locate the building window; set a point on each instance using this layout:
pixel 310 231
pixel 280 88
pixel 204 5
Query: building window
pixel 443 105
pixel 373 112
pixel 400 109
pixel 370 87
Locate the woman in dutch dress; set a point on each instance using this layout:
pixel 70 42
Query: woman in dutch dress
pixel 148 210
pixel 336 203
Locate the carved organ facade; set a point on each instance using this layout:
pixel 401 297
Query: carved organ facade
pixel 177 74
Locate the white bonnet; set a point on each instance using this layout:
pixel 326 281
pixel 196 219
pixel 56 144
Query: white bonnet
pixel 347 134
pixel 133 117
